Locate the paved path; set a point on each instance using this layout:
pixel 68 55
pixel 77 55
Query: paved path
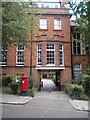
pixel 45 104
pixel 48 85
pixel 48 103
pixel 13 99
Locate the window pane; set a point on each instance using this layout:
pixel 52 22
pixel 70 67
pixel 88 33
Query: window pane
pixel 78 50
pixel 43 23
pixel 20 54
pixel 88 69
pixel 39 54
pixel 3 56
pixel 78 35
pixel 74 36
pixel 77 71
pixel 87 50
pixel 76 43
pixel 57 24
pixel 42 5
pixel 56 6
pixel 61 54
pixel 50 54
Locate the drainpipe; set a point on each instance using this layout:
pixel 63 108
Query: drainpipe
pixel 71 57
pixel 31 48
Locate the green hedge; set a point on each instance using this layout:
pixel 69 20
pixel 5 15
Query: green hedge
pixel 14 87
pixel 30 92
pixel 30 82
pixel 7 79
pixel 85 82
pixel 76 91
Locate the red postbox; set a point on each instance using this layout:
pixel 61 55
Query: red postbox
pixel 24 84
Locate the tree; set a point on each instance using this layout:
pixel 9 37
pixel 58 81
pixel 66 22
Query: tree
pixel 16 25
pixel 82 13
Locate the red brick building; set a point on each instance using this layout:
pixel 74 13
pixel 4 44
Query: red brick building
pixel 52 48
pixel 80 54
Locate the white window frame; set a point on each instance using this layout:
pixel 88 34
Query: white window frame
pixel 77 70
pixel 38 50
pixel 57 24
pixel 43 24
pixel 19 63
pixel 3 63
pixel 50 64
pixel 61 55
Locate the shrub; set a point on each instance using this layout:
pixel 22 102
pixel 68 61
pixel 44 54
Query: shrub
pixel 68 89
pixel 75 91
pixel 79 78
pixel 83 96
pixel 30 82
pixel 14 87
pixel 7 79
pixel 30 92
pixel 85 82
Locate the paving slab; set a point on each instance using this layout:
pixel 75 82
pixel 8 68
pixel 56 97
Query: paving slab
pixel 12 99
pixel 80 105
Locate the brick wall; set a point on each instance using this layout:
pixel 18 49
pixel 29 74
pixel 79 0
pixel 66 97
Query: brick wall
pixel 46 36
pixel 83 60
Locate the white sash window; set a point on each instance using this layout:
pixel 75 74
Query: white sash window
pixel 20 54
pixel 61 55
pixel 43 24
pixel 57 24
pixel 3 56
pixel 50 54
pixel 39 54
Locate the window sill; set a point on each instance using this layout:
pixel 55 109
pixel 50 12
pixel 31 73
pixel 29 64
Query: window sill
pixel 3 65
pixel 19 65
pixel 61 65
pixel 50 65
pixel 38 65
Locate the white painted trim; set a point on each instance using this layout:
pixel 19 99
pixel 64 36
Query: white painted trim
pixel 38 65
pixel 37 55
pixel 3 65
pixel 54 54
pixel 50 68
pixel 50 65
pixel 19 65
pixel 40 25
pixel 16 56
pixel 63 54
pixel 59 25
